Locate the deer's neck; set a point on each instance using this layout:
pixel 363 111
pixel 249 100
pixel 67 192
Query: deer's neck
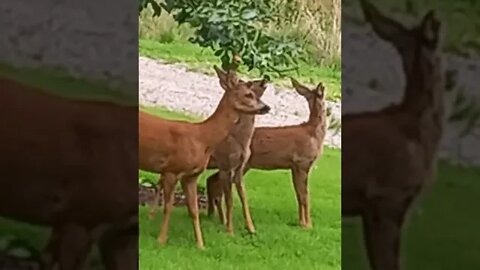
pixel 424 101
pixel 424 93
pixel 218 126
pixel 318 121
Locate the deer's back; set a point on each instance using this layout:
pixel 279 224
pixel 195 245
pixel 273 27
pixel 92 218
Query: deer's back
pixel 62 156
pixel 170 146
pixel 284 147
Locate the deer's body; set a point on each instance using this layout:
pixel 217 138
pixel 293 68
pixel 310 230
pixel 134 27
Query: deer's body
pixel 389 156
pixel 287 147
pixel 293 147
pixel 180 150
pixel 158 157
pixel 59 157
pixel 230 158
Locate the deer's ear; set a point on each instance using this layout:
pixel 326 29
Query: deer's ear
pixel 302 90
pixel 232 79
pixel 384 27
pixel 430 27
pixel 222 76
pixel 321 90
pixel 259 87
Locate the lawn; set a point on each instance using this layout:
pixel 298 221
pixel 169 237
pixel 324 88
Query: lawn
pixel 278 244
pixel 60 83
pixel 443 234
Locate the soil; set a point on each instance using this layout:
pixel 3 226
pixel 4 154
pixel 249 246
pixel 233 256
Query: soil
pixel 146 196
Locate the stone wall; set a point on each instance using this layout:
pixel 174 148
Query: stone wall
pixel 89 39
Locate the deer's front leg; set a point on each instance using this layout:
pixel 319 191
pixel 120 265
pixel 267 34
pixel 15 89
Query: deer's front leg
pixel 189 185
pixel 382 226
pixel 238 180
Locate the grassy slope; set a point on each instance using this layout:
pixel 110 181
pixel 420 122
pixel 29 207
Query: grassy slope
pixel 59 83
pixel 279 243
pixel 202 60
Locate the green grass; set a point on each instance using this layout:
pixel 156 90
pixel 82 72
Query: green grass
pixel 443 236
pixel 202 60
pixel 279 242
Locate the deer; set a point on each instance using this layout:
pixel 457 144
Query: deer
pixel 295 147
pixel 59 157
pixel 180 150
pixel 231 156
pixel 389 156
pixel 233 152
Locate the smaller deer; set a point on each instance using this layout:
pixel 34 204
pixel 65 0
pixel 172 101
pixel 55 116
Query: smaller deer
pixel 294 147
pixel 231 156
pixel 181 150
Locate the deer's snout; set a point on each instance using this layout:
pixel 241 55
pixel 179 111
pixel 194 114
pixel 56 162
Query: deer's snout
pixel 265 109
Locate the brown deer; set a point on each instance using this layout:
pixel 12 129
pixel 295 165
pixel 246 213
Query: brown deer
pixel 233 152
pixel 294 147
pixel 231 156
pixel 181 150
pixel 388 156
pixel 59 157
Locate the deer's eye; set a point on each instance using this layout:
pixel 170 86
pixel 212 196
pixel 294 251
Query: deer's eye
pixel 249 95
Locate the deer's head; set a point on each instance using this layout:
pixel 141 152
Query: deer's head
pixel 315 98
pixel 244 96
pixel 416 45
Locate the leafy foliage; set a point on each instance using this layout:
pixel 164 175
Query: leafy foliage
pixel 143 4
pixel 234 30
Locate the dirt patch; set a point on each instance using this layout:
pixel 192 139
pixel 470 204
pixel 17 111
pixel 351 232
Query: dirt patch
pixel 146 196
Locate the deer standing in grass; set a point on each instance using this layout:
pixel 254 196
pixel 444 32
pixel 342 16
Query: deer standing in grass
pixel 390 155
pixel 294 147
pixel 181 150
pixel 231 156
pixel 59 157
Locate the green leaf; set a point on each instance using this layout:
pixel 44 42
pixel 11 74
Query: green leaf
pixel 249 14
pixel 20 252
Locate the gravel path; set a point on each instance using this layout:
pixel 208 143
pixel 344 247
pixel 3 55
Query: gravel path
pixel 176 88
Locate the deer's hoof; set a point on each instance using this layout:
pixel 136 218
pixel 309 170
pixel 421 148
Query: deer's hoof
pixel 307 226
pixel 162 241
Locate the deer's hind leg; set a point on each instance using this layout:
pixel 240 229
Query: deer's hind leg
pixel 300 183
pixel 226 180
pixel 382 226
pixel 215 195
pixel 156 200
